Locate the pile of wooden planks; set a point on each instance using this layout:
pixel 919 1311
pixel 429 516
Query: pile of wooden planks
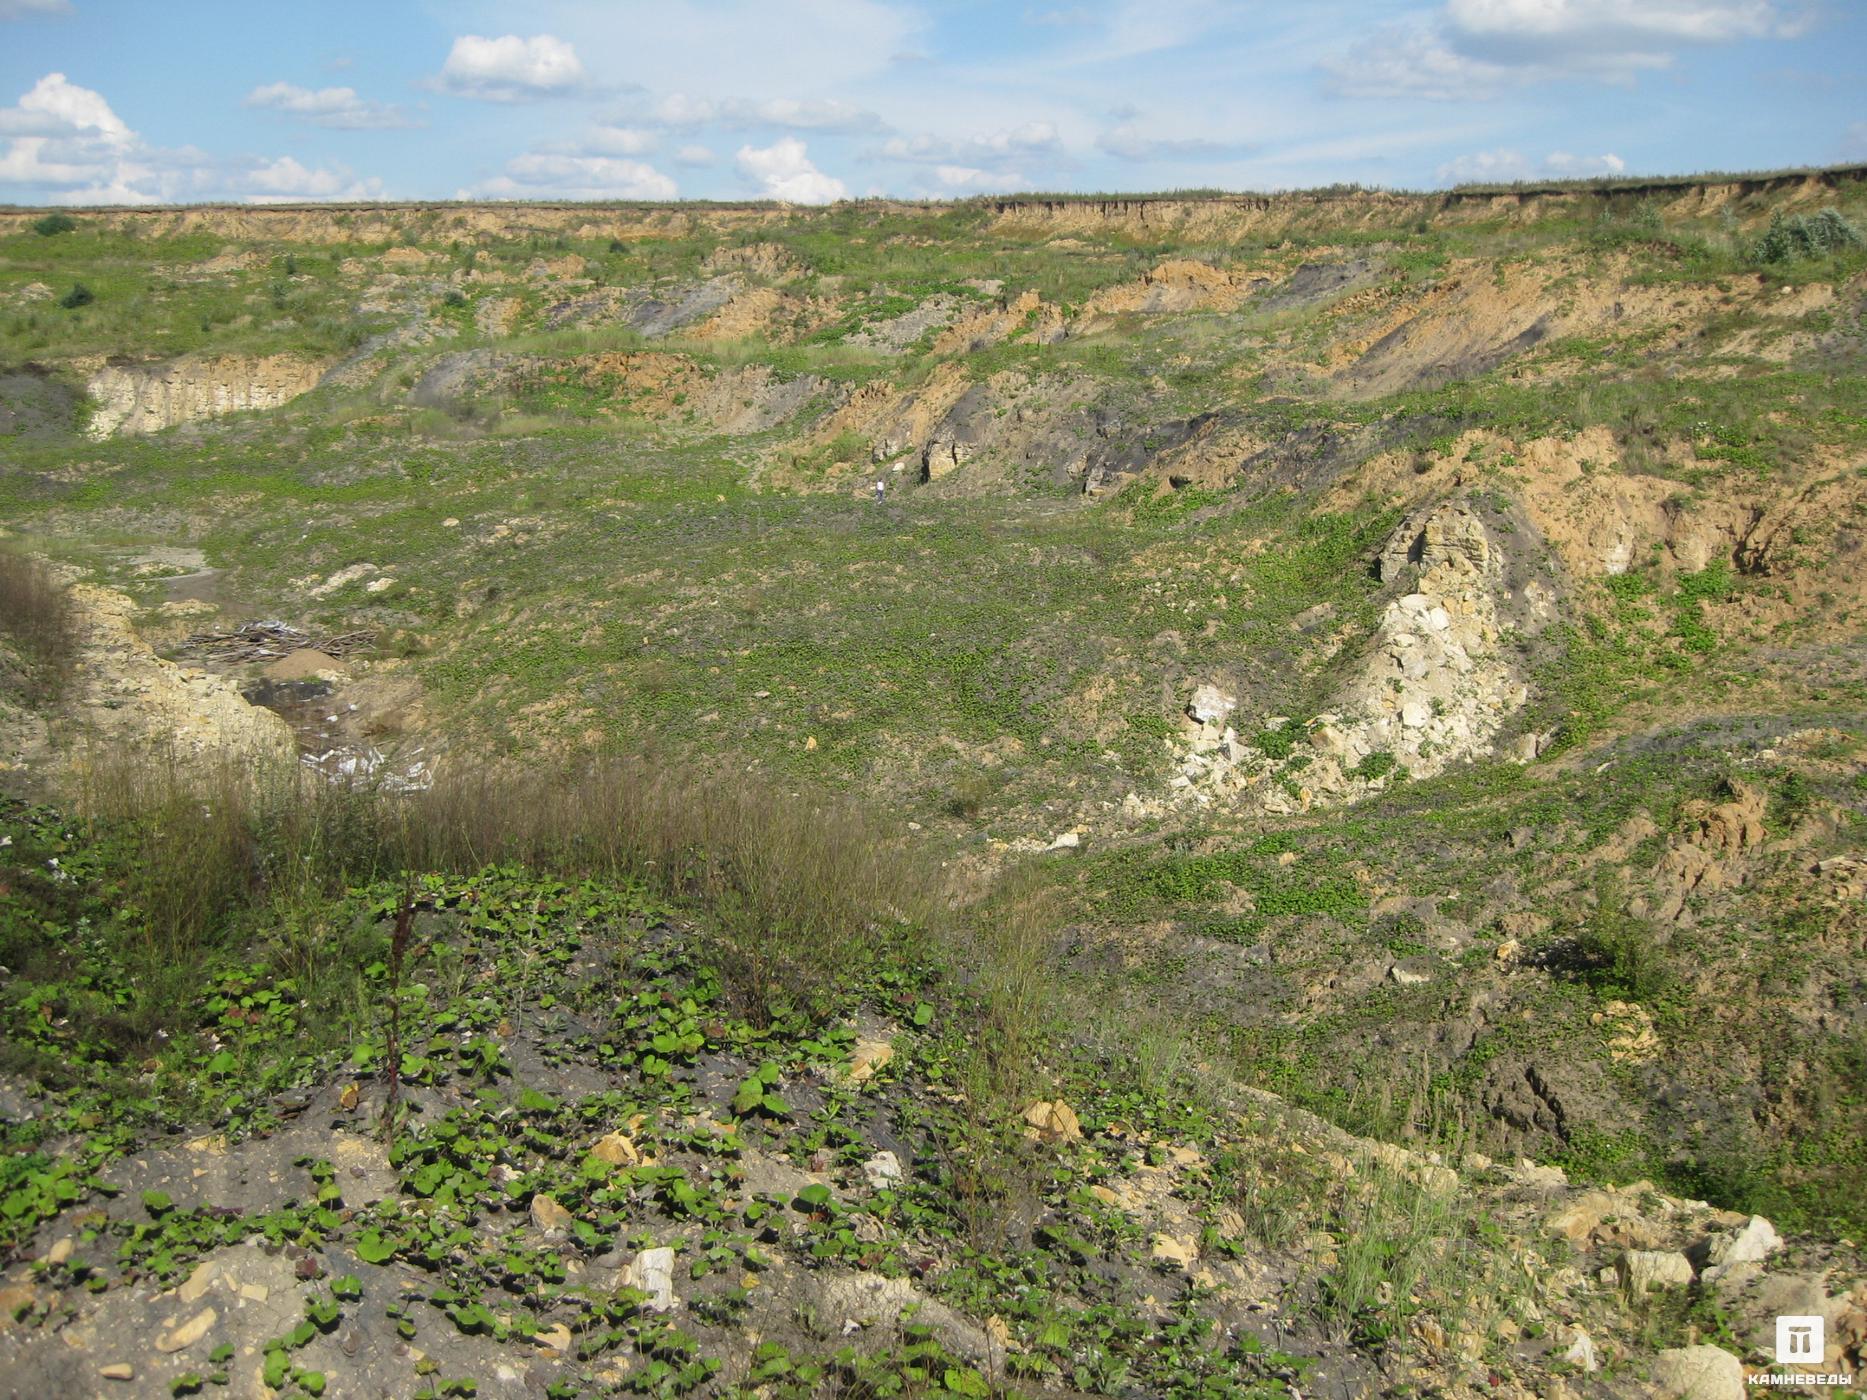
pixel 268 641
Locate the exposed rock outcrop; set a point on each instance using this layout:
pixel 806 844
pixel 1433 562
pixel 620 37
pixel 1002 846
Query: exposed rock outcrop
pixel 126 699
pixel 133 398
pixel 1435 687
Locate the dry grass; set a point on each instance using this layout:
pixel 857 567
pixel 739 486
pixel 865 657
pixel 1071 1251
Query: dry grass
pixel 36 614
pixel 796 893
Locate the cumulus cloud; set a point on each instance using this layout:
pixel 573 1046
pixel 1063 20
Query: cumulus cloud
pixel 66 142
pixel 1130 140
pixel 63 144
pixel 964 177
pixel 600 163
pixel 1506 166
pixel 285 180
pixel 1476 48
pixel 549 175
pixel 56 106
pixel 1411 61
pixel 337 107
pixel 1485 167
pixel 694 156
pixel 996 150
pixel 621 141
pixel 783 171
pixel 1539 25
pixel 510 68
pixel 1571 167
pixel 680 109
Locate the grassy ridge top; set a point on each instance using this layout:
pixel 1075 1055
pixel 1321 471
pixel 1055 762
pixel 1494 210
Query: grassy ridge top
pixel 1615 184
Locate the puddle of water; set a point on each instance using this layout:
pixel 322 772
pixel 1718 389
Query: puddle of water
pixel 202 586
pixel 182 571
pixel 321 722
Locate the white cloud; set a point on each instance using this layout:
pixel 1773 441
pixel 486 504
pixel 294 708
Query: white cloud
pixel 285 180
pixel 599 164
pixel 620 141
pixel 994 150
pixel 548 175
pixel 694 155
pixel 55 106
pixel 827 114
pixel 1609 23
pixel 1506 166
pixel 19 9
pixel 783 171
pixel 337 107
pixel 1478 48
pixel 963 177
pixel 1572 167
pixel 65 145
pixel 511 69
pixel 1130 140
pixel 752 48
pixel 67 142
pixel 1485 167
pixel 1411 61
pixel 680 109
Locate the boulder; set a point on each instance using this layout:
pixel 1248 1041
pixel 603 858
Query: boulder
pixel 1698 1373
pixel 883 1171
pixel 617 1149
pixel 867 1058
pixel 1581 1352
pixel 1579 1219
pixel 1052 1122
pixel 652 1271
pixel 188 1333
pixel 549 1216
pixel 1210 705
pixel 1749 1245
pixel 1641 1269
pixel 1170 1249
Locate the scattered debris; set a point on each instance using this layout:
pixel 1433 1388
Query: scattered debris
pixel 269 641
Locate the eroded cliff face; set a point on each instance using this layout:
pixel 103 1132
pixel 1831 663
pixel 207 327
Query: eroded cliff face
pixel 133 398
pixel 1213 219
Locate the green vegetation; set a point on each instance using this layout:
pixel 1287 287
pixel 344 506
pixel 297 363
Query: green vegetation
pixel 36 618
pixel 1801 236
pixel 731 773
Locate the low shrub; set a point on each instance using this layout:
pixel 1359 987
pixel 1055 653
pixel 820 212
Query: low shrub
pixel 1799 236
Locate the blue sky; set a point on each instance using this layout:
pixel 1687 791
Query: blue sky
pixel 810 100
